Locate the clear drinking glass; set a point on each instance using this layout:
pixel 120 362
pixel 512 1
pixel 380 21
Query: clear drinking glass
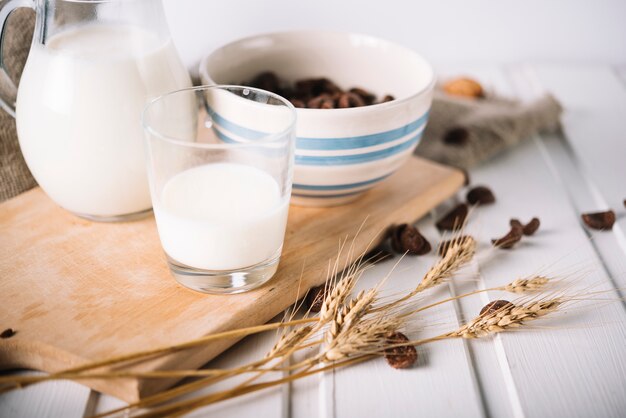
pixel 92 67
pixel 220 167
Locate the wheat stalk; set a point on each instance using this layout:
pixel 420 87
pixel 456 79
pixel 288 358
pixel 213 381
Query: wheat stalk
pixel 289 340
pixel 349 315
pixel 460 251
pixel 527 284
pixel 368 337
pixel 368 340
pixel 533 283
pixel 337 296
pixel 508 317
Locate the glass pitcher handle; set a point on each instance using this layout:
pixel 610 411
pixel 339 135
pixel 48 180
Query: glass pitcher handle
pixel 8 89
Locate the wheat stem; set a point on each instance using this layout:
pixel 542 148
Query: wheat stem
pixel 232 393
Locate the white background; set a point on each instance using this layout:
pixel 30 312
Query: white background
pixel 444 31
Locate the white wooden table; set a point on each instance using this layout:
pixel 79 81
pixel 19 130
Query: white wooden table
pixel 571 366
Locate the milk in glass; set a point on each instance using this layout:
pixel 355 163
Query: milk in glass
pixel 221 216
pixel 78 114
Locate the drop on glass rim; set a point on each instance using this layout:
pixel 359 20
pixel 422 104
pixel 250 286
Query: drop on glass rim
pixel 220 163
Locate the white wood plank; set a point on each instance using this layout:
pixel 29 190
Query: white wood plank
pixel 442 383
pixel 493 373
pixel 580 179
pixel 48 399
pixel 548 366
pixel 106 403
pixel 307 395
pixel 265 403
pixel 578 367
pixel 621 72
pixel 594 124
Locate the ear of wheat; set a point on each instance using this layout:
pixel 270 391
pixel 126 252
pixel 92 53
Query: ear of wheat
pixel 508 317
pixel 527 285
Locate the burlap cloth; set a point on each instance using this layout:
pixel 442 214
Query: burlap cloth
pixel 461 132
pixel 14 175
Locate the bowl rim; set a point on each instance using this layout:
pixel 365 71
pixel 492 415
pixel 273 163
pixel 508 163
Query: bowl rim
pixel 203 72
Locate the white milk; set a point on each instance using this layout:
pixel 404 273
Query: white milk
pixel 78 114
pixel 221 216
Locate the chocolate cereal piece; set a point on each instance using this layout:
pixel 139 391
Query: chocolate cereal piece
pixel 297 103
pixel 480 195
pixel 367 97
pixel 377 255
pixel 346 100
pixel 267 81
pixel 400 357
pixel 314 93
pixel 8 333
pixel 407 239
pixel 388 98
pixel 531 227
pixel 495 306
pixel 456 137
pixel 313 87
pixel 315 298
pixel 323 101
pixel 510 239
pixel 599 220
pixel 453 219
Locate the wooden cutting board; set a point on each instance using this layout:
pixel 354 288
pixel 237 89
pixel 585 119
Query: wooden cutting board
pixel 77 291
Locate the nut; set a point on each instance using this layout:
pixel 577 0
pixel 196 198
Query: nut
pixel 465 87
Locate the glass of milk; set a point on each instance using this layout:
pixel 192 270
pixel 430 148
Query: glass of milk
pixel 92 67
pixel 220 162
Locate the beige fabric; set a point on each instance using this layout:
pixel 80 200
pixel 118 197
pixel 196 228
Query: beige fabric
pixel 14 175
pixel 492 124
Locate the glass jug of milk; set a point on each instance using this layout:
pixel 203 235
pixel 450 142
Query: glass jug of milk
pixel 92 67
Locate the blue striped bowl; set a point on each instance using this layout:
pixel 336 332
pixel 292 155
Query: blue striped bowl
pixel 340 153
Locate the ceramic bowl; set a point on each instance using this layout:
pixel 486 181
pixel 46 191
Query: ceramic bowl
pixel 340 153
